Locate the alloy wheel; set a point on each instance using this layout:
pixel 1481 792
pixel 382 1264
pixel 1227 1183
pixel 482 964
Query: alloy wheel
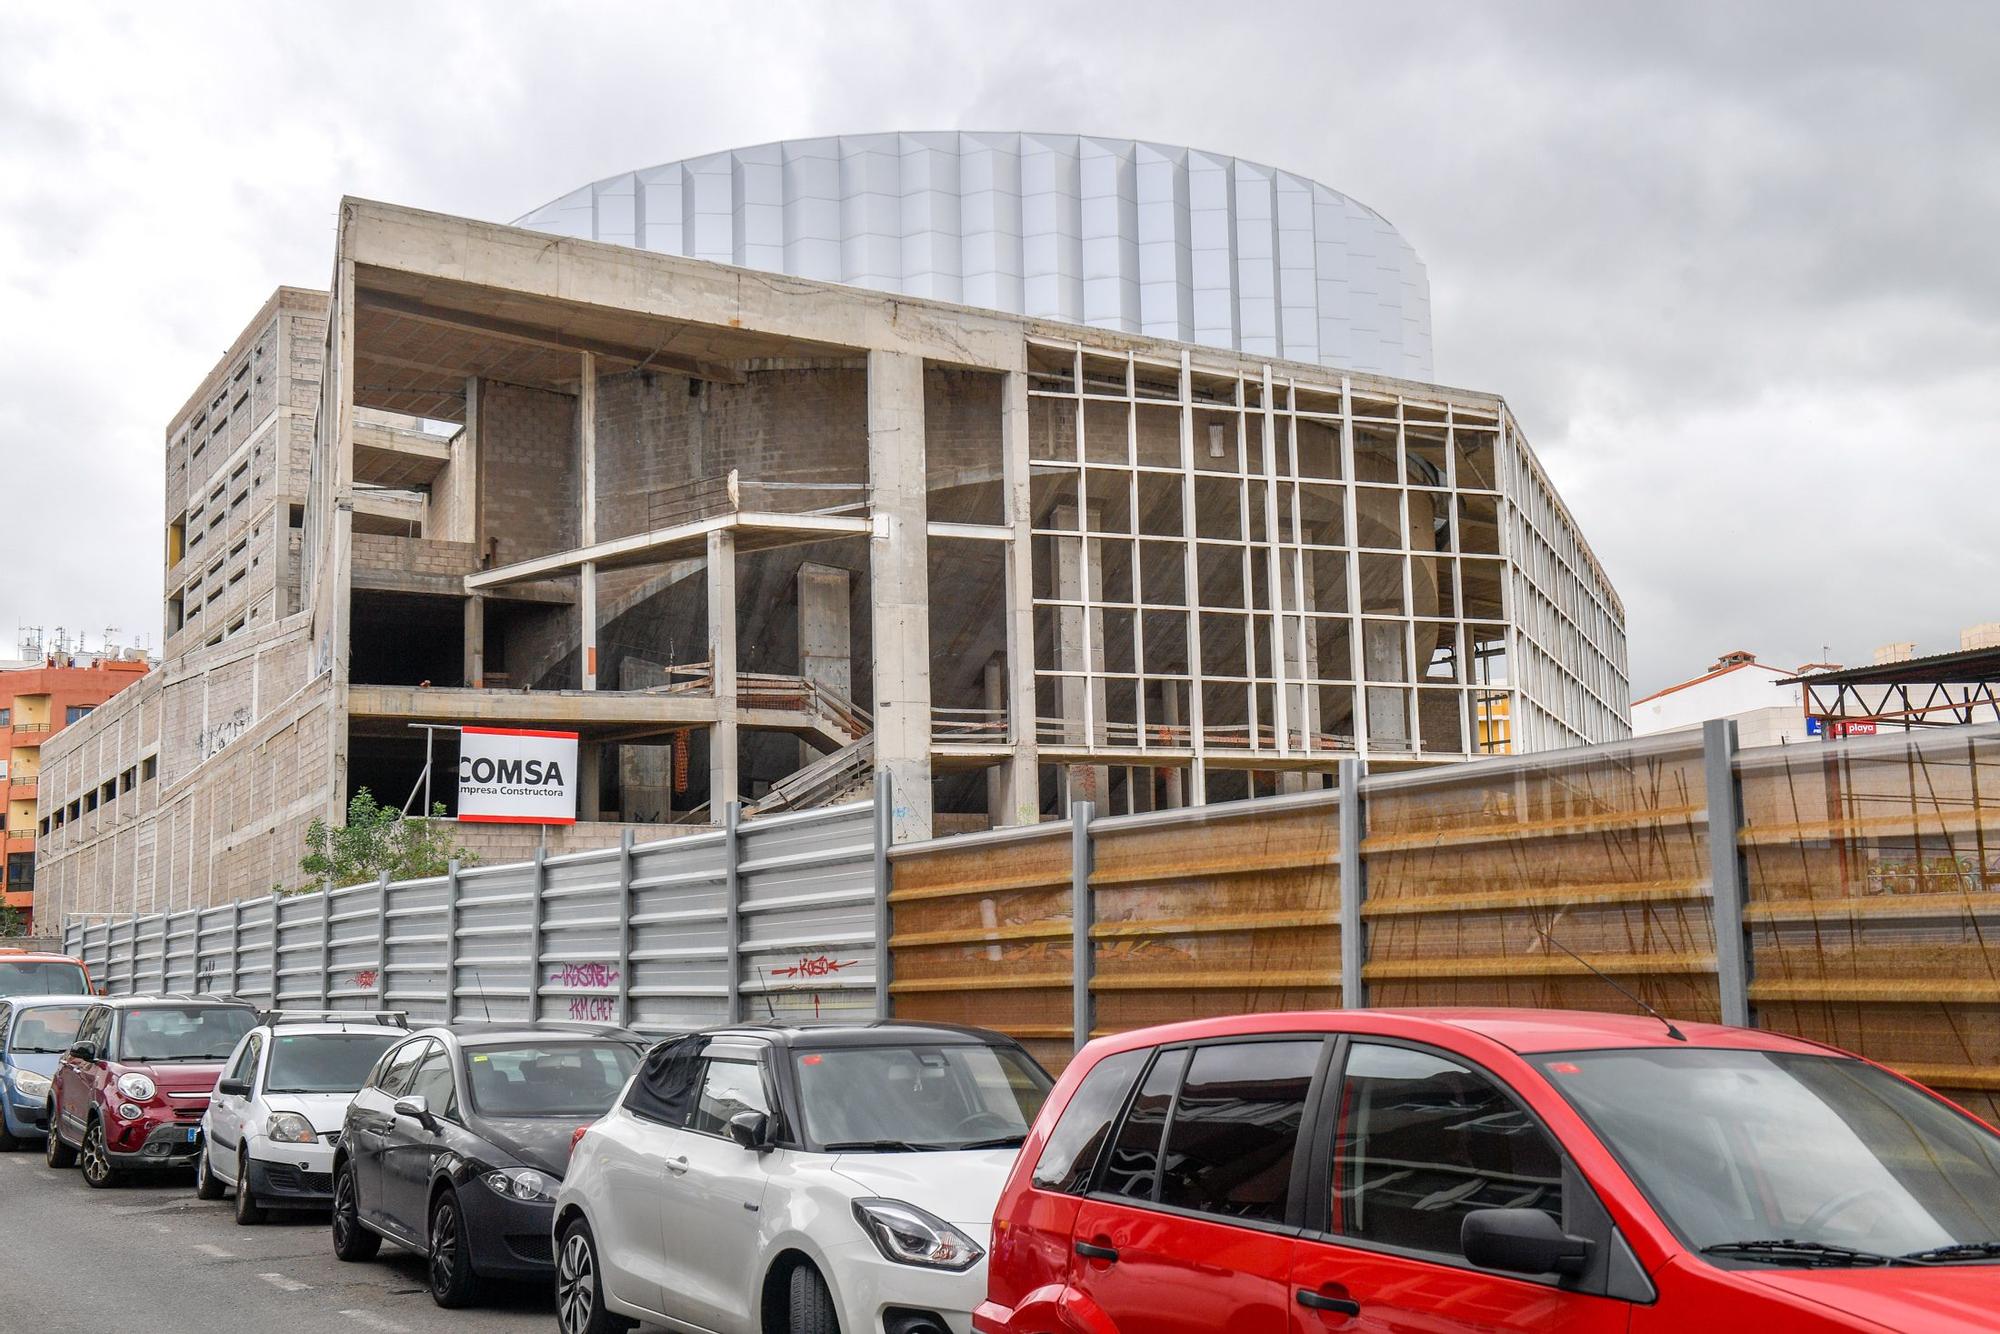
pixel 96 1159
pixel 344 1212
pixel 576 1284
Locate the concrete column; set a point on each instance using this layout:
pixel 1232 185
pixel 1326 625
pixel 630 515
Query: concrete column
pixel 1079 648
pixel 475 641
pixel 900 579
pixel 724 779
pixel 1170 716
pixel 993 698
pixel 826 635
pixel 1018 799
pixel 586 446
pixel 589 780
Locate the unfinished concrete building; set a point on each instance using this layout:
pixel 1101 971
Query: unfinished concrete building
pixel 757 537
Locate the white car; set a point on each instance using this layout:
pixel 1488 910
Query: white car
pixel 806 1179
pixel 274 1119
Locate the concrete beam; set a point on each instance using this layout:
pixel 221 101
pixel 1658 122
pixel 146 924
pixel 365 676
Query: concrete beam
pixel 550 708
pixel 752 532
pixel 898 557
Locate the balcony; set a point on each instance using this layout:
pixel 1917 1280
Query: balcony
pixel 22 729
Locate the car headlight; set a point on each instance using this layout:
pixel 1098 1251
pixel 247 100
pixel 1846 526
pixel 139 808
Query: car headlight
pixel 910 1236
pixel 31 1085
pixel 290 1128
pixel 137 1087
pixel 130 1111
pixel 521 1183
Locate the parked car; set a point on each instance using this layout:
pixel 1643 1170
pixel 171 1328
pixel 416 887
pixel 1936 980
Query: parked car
pixel 455 1145
pixel 30 973
pixel 271 1127
pixel 809 1179
pixel 130 1092
pixel 1492 1170
pixel 35 1031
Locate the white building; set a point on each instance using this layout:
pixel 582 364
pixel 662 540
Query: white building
pixel 1737 686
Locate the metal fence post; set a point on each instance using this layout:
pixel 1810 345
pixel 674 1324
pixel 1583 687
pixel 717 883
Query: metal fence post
pixel 235 947
pixel 732 909
pixel 627 904
pixel 326 947
pixel 380 990
pixel 1725 863
pixel 450 941
pixel 535 935
pixel 275 901
pixel 1353 889
pixel 884 831
pixel 1082 916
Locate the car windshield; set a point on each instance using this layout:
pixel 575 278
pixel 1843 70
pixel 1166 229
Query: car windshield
pixel 552 1079
pixel 325 1062
pixel 1739 1147
pixel 47 1030
pixel 42 977
pixel 918 1097
pixel 184 1032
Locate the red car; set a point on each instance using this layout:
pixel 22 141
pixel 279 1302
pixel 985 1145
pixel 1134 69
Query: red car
pixel 130 1093
pixel 1491 1170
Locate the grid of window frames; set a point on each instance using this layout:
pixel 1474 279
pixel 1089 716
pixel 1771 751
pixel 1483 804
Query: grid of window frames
pixel 1263 564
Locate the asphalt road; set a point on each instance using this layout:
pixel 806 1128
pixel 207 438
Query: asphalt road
pixel 147 1255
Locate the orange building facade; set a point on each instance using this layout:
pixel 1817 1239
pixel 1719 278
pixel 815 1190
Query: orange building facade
pixel 35 704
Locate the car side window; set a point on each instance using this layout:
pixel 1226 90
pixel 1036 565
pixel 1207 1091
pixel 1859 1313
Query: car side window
pixel 97 1030
pixel 434 1084
pixel 1235 1129
pixel 1420 1141
pixel 1134 1167
pixel 668 1081
pixel 6 1018
pixel 246 1061
pixel 1070 1154
pixel 402 1063
pixel 727 1089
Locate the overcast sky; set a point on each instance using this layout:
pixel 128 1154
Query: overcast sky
pixel 1736 266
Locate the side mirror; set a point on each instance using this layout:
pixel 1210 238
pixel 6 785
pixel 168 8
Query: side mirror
pixel 1522 1241
pixel 752 1130
pixel 234 1088
pixel 84 1051
pixel 418 1108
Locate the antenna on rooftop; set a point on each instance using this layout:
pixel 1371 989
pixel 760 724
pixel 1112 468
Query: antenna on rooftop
pixel 1606 978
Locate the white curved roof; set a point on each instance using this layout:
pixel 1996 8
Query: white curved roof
pixel 1121 234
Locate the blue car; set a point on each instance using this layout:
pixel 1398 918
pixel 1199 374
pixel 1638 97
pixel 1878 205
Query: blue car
pixel 35 1031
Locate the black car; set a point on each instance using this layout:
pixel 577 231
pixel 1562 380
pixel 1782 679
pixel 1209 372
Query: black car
pixel 456 1145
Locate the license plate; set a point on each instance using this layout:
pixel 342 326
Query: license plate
pixel 194 1133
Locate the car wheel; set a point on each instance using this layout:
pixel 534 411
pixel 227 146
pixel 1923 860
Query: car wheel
pixel 95 1159
pixel 248 1212
pixel 811 1304
pixel 450 1267
pixel 57 1153
pixel 351 1241
pixel 580 1289
pixel 206 1187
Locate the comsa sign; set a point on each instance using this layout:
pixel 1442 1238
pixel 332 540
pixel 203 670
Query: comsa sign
pixel 510 776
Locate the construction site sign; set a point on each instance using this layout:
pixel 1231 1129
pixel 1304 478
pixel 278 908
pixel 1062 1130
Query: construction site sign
pixel 510 775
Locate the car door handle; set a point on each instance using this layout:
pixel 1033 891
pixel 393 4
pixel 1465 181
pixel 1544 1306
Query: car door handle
pixel 1320 1301
pixel 1090 1250
pixel 678 1166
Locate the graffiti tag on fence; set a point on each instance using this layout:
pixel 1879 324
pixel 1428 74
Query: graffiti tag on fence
pixel 818 965
pixel 593 1009
pixel 589 976
pixel 366 979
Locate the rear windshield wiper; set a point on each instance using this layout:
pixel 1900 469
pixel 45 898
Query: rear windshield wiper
pixel 877 1146
pixel 1959 1250
pixel 1786 1250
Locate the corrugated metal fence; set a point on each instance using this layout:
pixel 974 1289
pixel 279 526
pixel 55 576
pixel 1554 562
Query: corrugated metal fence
pixel 1847 892
pixel 770 916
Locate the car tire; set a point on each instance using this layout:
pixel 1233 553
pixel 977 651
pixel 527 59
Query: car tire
pixel 248 1212
pixel 448 1265
pixel 810 1309
pixel 95 1158
pixel 56 1153
pixel 580 1286
pixel 206 1184
pixel 351 1241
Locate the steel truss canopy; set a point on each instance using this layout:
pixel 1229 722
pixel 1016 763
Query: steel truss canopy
pixel 1941 690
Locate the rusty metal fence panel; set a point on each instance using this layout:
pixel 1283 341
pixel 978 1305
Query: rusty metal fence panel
pixel 1872 873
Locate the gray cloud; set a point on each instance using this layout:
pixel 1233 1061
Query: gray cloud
pixel 1733 264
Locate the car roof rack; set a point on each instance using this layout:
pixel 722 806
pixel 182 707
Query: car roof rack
pixel 475 1027
pixel 292 1014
